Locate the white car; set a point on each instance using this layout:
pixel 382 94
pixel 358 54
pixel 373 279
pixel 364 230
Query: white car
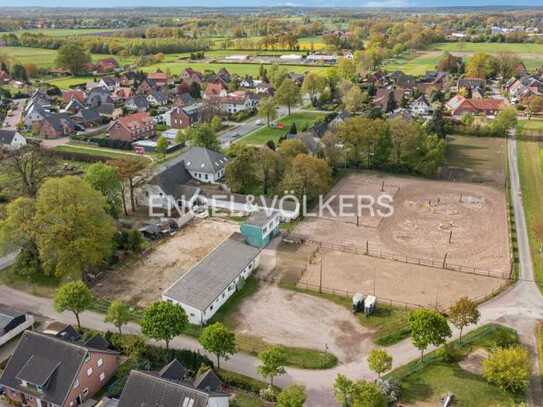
pixel 259 122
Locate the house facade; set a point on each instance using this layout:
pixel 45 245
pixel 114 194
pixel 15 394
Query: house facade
pixel 47 371
pixel 11 140
pixel 132 127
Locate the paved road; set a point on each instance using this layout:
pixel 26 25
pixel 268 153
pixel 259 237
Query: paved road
pixel 242 129
pixel 14 115
pixel 519 307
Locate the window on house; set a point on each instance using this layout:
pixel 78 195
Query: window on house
pixel 100 362
pixel 102 376
pixel 89 371
pixel 76 384
pixel 85 391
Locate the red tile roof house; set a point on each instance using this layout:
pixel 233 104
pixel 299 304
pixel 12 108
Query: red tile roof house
pixel 107 65
pixel 161 79
pixel 47 371
pixel 459 105
pixel 133 127
pixel 68 95
pixel 214 89
pixel 190 75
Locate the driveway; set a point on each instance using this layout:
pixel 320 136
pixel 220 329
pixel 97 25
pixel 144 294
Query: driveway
pixel 14 115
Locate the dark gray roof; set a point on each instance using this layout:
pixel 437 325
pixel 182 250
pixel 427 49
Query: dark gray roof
pixel 172 178
pixel 173 371
pixel 38 370
pixel 208 381
pixel 47 351
pixel 7 315
pixel 201 159
pixel 202 284
pixel 6 136
pixel 139 101
pixel 148 390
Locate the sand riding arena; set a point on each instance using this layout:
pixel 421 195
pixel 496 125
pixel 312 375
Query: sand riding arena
pixel 443 240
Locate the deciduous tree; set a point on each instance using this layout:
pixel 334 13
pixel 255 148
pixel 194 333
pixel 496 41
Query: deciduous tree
pixel 73 57
pixel 73 231
pixel 379 361
pixel 463 313
pixel 428 327
pixel 105 179
pixel 273 361
pixel 288 94
pixel 75 297
pixel 267 108
pixel 118 314
pixel 163 321
pixel 218 340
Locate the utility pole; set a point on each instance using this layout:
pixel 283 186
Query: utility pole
pixel 320 274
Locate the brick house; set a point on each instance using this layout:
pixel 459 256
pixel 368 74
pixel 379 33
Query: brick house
pixel 54 125
pixel 48 371
pixel 190 75
pixel 460 105
pixel 107 65
pixel 133 127
pixel 181 117
pixel 214 89
pixel 160 78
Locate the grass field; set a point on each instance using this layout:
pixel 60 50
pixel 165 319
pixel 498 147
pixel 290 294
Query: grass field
pixel 95 151
pixel 65 32
pixel 420 62
pixel 534 124
pixel 530 159
pixel 427 382
pixel 476 159
pixel 262 135
pixel 45 58
pixel 241 69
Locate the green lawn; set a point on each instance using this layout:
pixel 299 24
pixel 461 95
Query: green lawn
pixel 302 120
pixel 530 159
pixel 490 47
pixel 534 124
pixel 416 64
pixel 95 151
pixel 67 82
pixel 428 381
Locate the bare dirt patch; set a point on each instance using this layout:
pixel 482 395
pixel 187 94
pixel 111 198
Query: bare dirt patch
pixel 142 282
pixel 294 319
pixel 473 362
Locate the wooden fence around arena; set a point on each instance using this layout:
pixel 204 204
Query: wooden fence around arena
pixel 375 251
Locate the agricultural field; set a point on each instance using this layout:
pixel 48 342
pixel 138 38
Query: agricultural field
pixel 264 134
pixel 66 32
pixel 433 223
pixel 476 159
pixel 419 62
pixel 45 58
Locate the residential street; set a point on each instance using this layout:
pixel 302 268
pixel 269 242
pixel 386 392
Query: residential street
pixel 246 127
pixel 14 116
pixel 519 307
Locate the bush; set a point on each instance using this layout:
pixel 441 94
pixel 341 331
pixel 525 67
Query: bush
pixel 242 382
pixel 505 339
pixel 508 368
pixel 268 394
pixel 450 353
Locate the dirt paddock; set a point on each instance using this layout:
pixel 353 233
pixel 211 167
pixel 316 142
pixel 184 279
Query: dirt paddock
pixel 432 222
pixel 142 282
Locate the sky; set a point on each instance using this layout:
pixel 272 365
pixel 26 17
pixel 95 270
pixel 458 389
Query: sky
pixel 249 3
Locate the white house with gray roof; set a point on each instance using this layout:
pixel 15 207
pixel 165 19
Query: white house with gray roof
pixel 207 286
pixel 11 140
pixel 205 165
